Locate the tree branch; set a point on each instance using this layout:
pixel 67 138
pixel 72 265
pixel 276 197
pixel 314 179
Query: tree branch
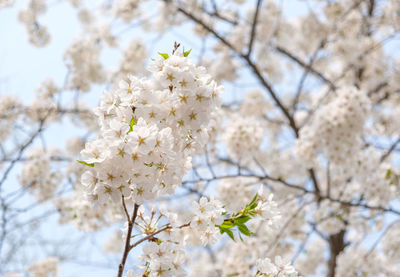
pixel 308 67
pixel 253 28
pixel 390 150
pixel 150 236
pixel 131 222
pixel 249 62
pixel 336 245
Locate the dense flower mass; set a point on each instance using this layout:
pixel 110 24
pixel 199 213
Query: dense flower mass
pixel 38 176
pixel 10 107
pixel 336 128
pixel 208 215
pixel 83 74
pixel 243 137
pixel 150 129
pixel 46 267
pixel 278 268
pixel 165 259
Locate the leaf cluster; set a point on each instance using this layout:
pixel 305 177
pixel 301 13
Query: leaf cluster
pixel 239 220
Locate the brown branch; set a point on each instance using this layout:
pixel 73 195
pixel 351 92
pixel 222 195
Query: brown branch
pixel 286 225
pixel 315 183
pixel 381 237
pixel 279 180
pixel 306 66
pixel 20 152
pixel 217 14
pixel 336 245
pixel 131 222
pixel 253 28
pixel 273 94
pixel 150 236
pixel 390 150
pixel 364 54
pixel 305 74
pixel 249 62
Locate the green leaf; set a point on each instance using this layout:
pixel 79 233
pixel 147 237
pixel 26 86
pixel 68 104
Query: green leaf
pixel 244 230
pixel 224 229
pixel 186 53
pixel 388 174
pixel 227 224
pixel 253 203
pixel 230 234
pixel 254 199
pixel 85 163
pixel 252 213
pixel 131 124
pixel 242 219
pixel 164 55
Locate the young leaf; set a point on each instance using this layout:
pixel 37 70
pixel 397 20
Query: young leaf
pixel 242 219
pixel 164 55
pixel 186 53
pixel 223 229
pixel 230 234
pixel 131 124
pixel 254 199
pixel 388 174
pixel 240 236
pixel 227 224
pixel 244 230
pixel 85 163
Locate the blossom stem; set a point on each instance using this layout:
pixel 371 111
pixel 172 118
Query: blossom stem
pixel 150 236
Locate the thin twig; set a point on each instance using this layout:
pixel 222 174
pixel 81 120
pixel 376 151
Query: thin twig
pixel 131 222
pixel 253 28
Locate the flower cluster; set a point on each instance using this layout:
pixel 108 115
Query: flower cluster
pixel 44 107
pixel 44 268
pixel 279 268
pixel 150 129
pixel 207 215
pixel 78 210
pixel 378 186
pixel 254 104
pixel 37 175
pixel 133 61
pixel 83 61
pixel 10 109
pixel 373 263
pixel 127 9
pixel 243 137
pixel 239 189
pixel 391 242
pixel 336 129
pixel 308 264
pixel 6 3
pixel 331 218
pixel 267 209
pixel 164 258
pixel 38 34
